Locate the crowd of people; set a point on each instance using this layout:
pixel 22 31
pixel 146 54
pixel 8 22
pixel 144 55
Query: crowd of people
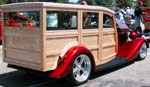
pixel 126 14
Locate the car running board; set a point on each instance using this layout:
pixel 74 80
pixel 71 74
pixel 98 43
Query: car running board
pixel 113 63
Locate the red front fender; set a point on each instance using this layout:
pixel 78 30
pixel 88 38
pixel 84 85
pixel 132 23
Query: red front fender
pixel 129 49
pixel 63 69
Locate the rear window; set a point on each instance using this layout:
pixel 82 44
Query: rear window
pixel 22 19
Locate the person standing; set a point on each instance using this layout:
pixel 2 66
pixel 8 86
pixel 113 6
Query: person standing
pixel 84 2
pixel 87 2
pixel 120 15
pixel 138 13
pixel 128 16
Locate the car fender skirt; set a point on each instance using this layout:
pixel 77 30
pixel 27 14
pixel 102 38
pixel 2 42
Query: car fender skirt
pixel 64 67
pixel 130 49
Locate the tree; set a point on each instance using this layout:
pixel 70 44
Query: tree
pixel 2 2
pixel 146 3
pixel 104 2
pixel 60 1
pixel 114 3
pixel 124 3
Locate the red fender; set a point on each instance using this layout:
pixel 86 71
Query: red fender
pixel 0 28
pixel 129 49
pixel 63 69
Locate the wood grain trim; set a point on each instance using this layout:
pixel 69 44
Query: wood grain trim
pixel 108 45
pixel 27 56
pixel 43 38
pixel 23 64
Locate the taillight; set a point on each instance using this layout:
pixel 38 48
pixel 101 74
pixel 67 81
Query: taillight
pixel 133 35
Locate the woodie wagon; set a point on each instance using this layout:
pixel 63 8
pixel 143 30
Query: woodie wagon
pixel 68 40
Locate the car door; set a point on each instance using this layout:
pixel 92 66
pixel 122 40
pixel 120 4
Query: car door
pixel 109 38
pixel 90 32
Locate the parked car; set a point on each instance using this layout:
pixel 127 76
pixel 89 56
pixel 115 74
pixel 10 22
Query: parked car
pixel 18 19
pixel 68 40
pixel 146 18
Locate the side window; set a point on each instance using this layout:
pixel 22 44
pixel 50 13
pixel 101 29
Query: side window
pixel 107 21
pixel 90 20
pixel 22 19
pixel 61 20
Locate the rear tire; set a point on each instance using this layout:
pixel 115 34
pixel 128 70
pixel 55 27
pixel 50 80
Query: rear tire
pixel 80 70
pixel 142 52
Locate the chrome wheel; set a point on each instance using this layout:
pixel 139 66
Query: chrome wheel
pixel 143 51
pixel 81 68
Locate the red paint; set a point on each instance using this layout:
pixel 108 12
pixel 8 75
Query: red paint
pixel 133 35
pixel 0 30
pixel 129 49
pixel 14 23
pixel 146 14
pixel 146 19
pixel 140 2
pixel 0 25
pixel 63 69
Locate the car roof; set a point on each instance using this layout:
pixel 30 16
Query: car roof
pixel 53 5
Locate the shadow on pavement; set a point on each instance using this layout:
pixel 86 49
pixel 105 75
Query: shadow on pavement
pixel 107 71
pixel 23 79
pixel 0 42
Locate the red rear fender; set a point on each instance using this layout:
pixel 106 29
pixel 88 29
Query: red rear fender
pixel 63 69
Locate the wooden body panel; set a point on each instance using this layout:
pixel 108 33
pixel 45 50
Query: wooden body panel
pixel 22 47
pixel 90 39
pixel 55 43
pixel 108 44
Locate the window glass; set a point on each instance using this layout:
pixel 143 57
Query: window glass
pixel 107 21
pixel 61 20
pixel 90 20
pixel 22 19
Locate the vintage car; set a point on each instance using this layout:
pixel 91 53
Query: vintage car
pixel 18 19
pixel 68 40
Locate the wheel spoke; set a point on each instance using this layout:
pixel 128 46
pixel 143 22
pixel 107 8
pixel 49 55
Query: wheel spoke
pixel 75 70
pixel 81 68
pixel 81 61
pixel 143 51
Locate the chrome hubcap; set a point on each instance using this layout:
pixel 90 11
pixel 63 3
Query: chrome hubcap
pixel 143 51
pixel 81 68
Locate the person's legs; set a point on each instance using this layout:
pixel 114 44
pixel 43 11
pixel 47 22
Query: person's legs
pixel 137 20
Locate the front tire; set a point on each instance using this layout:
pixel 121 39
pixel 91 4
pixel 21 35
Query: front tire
pixel 142 52
pixel 80 70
